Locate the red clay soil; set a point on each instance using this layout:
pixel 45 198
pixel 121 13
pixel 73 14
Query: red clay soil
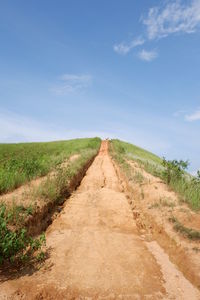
pixel 97 251
pixel 154 205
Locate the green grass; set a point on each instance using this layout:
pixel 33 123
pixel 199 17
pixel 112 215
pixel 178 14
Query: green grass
pixel 53 189
pixel 17 246
pixel 122 151
pixel 135 152
pixel 20 163
pixel 187 188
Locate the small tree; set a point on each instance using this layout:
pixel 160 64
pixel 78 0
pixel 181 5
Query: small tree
pixel 174 169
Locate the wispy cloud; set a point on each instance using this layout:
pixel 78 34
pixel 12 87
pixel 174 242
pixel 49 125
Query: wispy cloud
pixel 147 55
pixel 70 83
pixel 124 48
pixel 195 116
pixel 19 128
pixel 174 17
pixel 161 21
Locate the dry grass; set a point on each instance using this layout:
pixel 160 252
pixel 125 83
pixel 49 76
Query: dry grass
pixel 185 231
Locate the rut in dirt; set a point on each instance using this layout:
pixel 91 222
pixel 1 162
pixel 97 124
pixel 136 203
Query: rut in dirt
pixel 96 251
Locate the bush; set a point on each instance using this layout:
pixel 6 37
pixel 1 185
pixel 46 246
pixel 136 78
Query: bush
pixel 174 169
pixel 16 245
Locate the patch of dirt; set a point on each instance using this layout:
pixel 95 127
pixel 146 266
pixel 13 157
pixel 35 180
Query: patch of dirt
pixel 153 205
pixel 172 276
pixel 188 218
pixel 96 249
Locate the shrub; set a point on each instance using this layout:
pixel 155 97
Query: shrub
pixel 16 245
pixel 174 169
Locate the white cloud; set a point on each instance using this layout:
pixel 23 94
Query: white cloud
pixel 169 18
pixel 147 55
pixel 195 116
pixel 174 17
pixel 124 48
pixel 70 83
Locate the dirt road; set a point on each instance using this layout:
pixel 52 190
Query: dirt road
pixel 97 252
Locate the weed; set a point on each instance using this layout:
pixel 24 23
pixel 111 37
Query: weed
pixel 187 232
pixel 41 256
pixel 16 214
pixel 16 245
pixel 196 249
pixel 154 205
pixel 29 210
pixel 167 202
pixel 138 177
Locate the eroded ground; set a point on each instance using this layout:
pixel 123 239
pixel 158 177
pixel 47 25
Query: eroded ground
pixel 154 205
pixel 97 251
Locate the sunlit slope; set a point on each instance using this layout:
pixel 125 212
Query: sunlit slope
pixel 20 163
pixel 134 152
pixel 187 186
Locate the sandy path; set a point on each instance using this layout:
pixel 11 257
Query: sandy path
pixel 97 252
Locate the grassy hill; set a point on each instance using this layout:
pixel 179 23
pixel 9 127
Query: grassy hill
pixel 185 185
pixel 20 163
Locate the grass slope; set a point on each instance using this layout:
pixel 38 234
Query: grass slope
pixel 185 186
pixel 135 152
pixel 19 163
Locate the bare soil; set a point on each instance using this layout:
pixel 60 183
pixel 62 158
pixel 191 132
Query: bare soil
pixel 97 251
pixel 154 204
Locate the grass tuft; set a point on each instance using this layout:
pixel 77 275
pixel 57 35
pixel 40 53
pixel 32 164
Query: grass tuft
pixel 187 232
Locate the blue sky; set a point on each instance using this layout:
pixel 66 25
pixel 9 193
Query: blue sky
pixel 126 69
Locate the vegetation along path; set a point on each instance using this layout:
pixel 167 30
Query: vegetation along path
pixel 96 251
